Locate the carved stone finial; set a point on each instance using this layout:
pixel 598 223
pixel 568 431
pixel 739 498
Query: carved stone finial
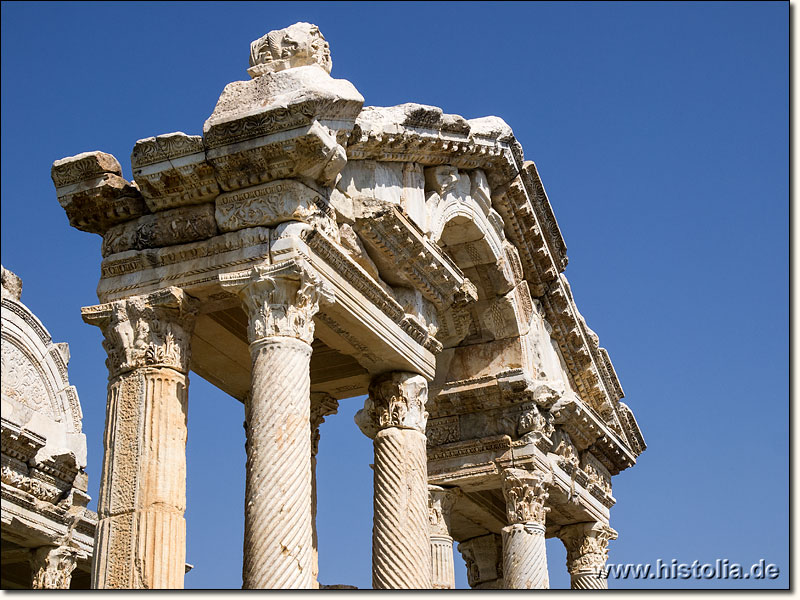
pixel 12 284
pixel 281 299
pixel 526 493
pixel 587 546
pixel 145 331
pixel 298 45
pixel 395 400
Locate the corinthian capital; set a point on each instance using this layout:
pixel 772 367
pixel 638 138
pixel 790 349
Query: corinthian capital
pixel 526 493
pixel 281 299
pixel 395 400
pixel 145 331
pixel 440 503
pixel 322 405
pixel 52 567
pixel 587 546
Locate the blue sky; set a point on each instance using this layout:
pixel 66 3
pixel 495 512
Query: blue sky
pixel 661 133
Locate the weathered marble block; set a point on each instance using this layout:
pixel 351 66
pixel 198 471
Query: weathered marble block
pixel 267 204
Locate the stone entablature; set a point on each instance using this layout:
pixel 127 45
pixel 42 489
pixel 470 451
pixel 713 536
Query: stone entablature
pixel 415 250
pixel 45 524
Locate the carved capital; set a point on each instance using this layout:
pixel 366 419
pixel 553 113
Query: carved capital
pixel 281 299
pixel 145 331
pixel 525 493
pixel 298 45
pixel 484 558
pixel 587 546
pixel 52 567
pixel 322 405
pixel 395 400
pixel 440 503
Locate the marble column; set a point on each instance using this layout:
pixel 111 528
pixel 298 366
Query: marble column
pixel 394 417
pixel 440 503
pixel 524 553
pixel 281 301
pixel 484 558
pixel 140 541
pixel 587 553
pixel 52 567
pixel 322 405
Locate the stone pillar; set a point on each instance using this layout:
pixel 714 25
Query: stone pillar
pixel 587 553
pixel 394 417
pixel 484 558
pixel 141 532
pixel 281 301
pixel 524 553
pixel 322 405
pixel 440 503
pixel 52 567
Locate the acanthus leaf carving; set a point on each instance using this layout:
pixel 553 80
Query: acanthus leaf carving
pixel 395 399
pixel 587 545
pixel 440 504
pixel 526 493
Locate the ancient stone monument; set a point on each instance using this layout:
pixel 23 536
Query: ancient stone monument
pixel 307 249
pixel 46 530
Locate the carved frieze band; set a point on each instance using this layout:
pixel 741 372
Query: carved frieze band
pixel 395 400
pixel 145 331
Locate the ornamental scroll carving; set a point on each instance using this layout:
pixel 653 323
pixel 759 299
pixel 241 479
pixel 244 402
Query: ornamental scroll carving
pixel 281 299
pixel 587 545
pixel 525 493
pixel 145 331
pixel 395 400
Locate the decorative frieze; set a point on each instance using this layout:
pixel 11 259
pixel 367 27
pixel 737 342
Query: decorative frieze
pixel 268 204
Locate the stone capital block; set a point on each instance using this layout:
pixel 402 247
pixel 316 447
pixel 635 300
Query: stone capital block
pixel 395 400
pixel 281 299
pixel 52 567
pixel 525 493
pixel 145 331
pixel 587 546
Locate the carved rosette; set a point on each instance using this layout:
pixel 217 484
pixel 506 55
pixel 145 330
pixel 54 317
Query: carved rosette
pixel 525 493
pixel 281 299
pixel 145 331
pixel 395 400
pixel 587 547
pixel 52 567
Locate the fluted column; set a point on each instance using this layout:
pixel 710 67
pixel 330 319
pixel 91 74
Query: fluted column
pixel 394 417
pixel 281 301
pixel 587 553
pixel 440 503
pixel 141 532
pixel 524 553
pixel 322 405
pixel 484 558
pixel 52 567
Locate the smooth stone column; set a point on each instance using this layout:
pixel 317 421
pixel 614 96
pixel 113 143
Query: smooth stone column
pixel 524 553
pixel 52 567
pixel 440 503
pixel 394 417
pixel 484 558
pixel 281 301
pixel 140 541
pixel 322 405
pixel 587 553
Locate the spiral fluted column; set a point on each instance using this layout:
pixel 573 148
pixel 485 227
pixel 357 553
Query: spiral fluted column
pixel 440 503
pixel 281 301
pixel 140 541
pixel 394 417
pixel 524 553
pixel 587 553
pixel 322 405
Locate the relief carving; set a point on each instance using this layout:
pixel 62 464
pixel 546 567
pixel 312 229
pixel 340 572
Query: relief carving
pixel 395 400
pixel 526 493
pixel 587 545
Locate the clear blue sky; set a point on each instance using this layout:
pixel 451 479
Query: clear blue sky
pixel 661 134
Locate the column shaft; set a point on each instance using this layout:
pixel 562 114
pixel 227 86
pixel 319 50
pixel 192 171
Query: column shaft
pixel 443 576
pixel 140 542
pixel 400 542
pixel 278 536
